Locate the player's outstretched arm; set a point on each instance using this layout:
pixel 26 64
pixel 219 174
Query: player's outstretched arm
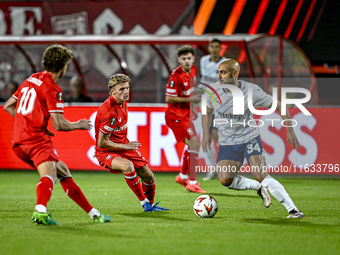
pixel 206 122
pixel 291 137
pixel 10 106
pixel 62 124
pixel 105 143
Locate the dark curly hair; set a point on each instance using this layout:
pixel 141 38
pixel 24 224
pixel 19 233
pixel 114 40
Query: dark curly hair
pixel 55 58
pixel 184 50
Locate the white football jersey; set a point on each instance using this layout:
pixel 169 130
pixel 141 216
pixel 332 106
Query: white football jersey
pixel 209 69
pixel 234 129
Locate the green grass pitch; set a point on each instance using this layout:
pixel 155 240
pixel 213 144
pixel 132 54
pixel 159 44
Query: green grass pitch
pixel 242 224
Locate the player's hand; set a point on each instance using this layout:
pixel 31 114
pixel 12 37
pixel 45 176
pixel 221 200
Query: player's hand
pixel 291 138
pixel 50 133
pixel 132 145
pixel 194 113
pixel 195 98
pixel 206 141
pixel 85 124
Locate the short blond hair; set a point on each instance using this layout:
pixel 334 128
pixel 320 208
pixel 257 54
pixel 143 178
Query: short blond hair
pixel 117 79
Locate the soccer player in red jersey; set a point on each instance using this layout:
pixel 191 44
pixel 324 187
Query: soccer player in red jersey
pixel 38 98
pixel 115 152
pixel 179 97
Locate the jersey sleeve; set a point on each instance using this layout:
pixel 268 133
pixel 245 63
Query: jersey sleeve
pixel 209 100
pixel 55 100
pixel 107 123
pixel 173 86
pixel 16 94
pixel 261 98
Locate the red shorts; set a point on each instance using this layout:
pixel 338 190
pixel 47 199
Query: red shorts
pixel 181 128
pixel 36 153
pixel 105 158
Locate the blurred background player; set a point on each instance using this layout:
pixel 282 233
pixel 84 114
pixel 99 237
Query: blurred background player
pixel 237 142
pixel 77 91
pixel 9 90
pixel 115 152
pixel 178 115
pixel 208 67
pixel 38 98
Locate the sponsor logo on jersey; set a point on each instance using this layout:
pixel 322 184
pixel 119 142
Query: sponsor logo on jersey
pixel 185 83
pixel 117 129
pixel 60 96
pixel 112 121
pixel 120 120
pixel 60 105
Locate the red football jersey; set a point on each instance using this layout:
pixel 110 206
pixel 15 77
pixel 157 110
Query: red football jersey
pixel 37 97
pixel 112 119
pixel 180 84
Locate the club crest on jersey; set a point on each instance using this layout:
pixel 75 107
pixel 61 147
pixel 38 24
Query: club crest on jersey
pixel 60 96
pixel 112 121
pixel 253 141
pixel 172 84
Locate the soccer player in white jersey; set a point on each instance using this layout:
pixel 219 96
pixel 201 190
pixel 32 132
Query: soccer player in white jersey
pixel 208 66
pixel 239 141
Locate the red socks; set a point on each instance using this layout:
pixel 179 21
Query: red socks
pixel 74 192
pixel 192 163
pixel 185 160
pixel 44 190
pixel 133 181
pixel 149 190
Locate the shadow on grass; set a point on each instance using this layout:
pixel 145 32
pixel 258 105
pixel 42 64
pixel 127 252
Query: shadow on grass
pixel 231 195
pixel 159 215
pixel 83 229
pixel 300 222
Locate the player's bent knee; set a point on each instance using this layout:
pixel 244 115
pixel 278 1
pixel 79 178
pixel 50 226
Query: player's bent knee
pixel 123 165
pixel 226 181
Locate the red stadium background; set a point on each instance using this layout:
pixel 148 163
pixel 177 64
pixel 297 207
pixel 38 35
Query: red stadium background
pixel 316 133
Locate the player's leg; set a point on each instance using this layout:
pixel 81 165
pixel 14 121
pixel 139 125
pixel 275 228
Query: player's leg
pixel 149 185
pixel 148 182
pixel 274 187
pixel 192 162
pixel 227 173
pixel 127 168
pixel 182 178
pixel 230 159
pixel 48 177
pixel 75 193
pixel 211 155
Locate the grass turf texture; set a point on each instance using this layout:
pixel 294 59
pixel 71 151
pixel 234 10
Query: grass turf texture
pixel 242 224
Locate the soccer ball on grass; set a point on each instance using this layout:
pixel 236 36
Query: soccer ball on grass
pixel 205 206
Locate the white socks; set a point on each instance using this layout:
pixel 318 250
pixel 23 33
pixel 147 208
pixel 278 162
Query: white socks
pixel 279 192
pixel 94 212
pixel 41 208
pixel 192 182
pixel 243 183
pixel 183 176
pixel 144 201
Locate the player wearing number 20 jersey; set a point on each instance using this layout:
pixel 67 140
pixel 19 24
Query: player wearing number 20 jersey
pixel 37 97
